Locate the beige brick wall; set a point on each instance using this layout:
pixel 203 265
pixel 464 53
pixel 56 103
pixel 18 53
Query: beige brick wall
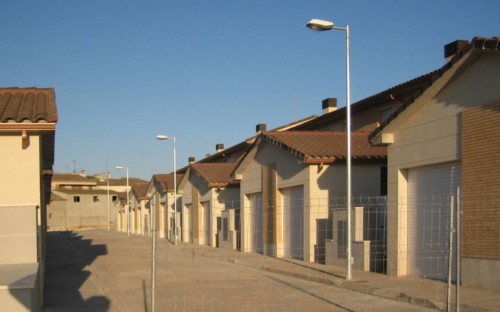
pixel 481 182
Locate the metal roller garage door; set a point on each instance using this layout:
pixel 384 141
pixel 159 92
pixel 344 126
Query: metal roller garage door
pixel 293 222
pixel 429 194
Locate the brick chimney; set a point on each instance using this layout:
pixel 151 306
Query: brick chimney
pixel 453 48
pixel 260 127
pixel 329 105
pixel 219 147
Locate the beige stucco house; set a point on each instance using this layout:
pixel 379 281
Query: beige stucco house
pixel 28 118
pixel 207 190
pixel 120 205
pixel 287 180
pixel 160 194
pixel 139 214
pixel 78 202
pixel 443 138
pixel 122 187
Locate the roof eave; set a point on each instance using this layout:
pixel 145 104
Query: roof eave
pixel 318 160
pixel 27 126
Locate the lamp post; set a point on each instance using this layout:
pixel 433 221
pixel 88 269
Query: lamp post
pixel 128 201
pixel 321 25
pixel 162 137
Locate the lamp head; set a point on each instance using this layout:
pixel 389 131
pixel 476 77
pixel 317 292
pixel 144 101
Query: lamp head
pixel 162 137
pixel 120 167
pixel 319 25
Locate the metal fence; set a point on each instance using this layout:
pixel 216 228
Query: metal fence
pixel 437 252
pixel 423 261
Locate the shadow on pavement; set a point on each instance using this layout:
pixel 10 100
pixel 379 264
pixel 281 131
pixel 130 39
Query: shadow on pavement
pixel 67 256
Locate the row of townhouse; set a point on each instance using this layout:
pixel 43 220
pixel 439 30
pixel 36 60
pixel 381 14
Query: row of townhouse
pixel 418 149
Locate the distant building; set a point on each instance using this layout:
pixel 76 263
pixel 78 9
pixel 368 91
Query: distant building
pixel 80 202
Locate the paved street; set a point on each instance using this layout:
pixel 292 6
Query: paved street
pixel 99 271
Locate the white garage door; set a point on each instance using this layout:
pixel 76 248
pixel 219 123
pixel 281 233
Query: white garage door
pixel 206 221
pixel 429 194
pixel 293 222
pixel 256 222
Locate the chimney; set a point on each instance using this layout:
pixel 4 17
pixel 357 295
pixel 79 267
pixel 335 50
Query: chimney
pixel 260 127
pixel 453 48
pixel 219 147
pixel 329 105
pixel 191 160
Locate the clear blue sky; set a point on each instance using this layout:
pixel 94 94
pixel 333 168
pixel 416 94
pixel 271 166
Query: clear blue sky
pixel 207 72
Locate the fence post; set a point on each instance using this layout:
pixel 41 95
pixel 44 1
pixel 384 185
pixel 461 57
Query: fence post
pixel 459 257
pixel 450 254
pixel 153 256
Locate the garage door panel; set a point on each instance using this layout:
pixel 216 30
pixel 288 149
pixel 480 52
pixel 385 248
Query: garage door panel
pixel 429 198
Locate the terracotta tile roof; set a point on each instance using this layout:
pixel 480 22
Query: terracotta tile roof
pixel 28 104
pixel 140 190
pixel 123 181
pixel 167 180
pixel 72 178
pixel 324 146
pixel 122 197
pixel 88 192
pixel 215 174
pixel 479 43
pixel 240 149
pixel 399 92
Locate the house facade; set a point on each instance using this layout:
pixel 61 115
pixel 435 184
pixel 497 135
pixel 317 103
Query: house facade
pixel 139 213
pixel 28 118
pixel 160 194
pixel 79 202
pixel 443 145
pixel 287 180
pixel 207 191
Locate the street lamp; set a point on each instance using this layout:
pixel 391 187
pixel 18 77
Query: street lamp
pixel 162 137
pixel 128 201
pixel 321 25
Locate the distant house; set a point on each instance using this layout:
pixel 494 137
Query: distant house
pixel 80 202
pixel 286 182
pixel 444 137
pixel 138 199
pixel 207 190
pixel 28 118
pixel 160 194
pixel 122 217
pixel 121 187
pixel 210 204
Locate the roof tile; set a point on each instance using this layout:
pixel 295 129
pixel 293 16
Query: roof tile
pixel 479 43
pixel 324 146
pixel 167 180
pixel 215 174
pixel 27 104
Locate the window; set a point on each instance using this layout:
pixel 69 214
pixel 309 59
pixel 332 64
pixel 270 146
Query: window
pixel 115 197
pixel 76 199
pixel 96 199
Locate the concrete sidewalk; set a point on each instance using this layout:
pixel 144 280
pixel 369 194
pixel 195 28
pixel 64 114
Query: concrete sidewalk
pixel 99 271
